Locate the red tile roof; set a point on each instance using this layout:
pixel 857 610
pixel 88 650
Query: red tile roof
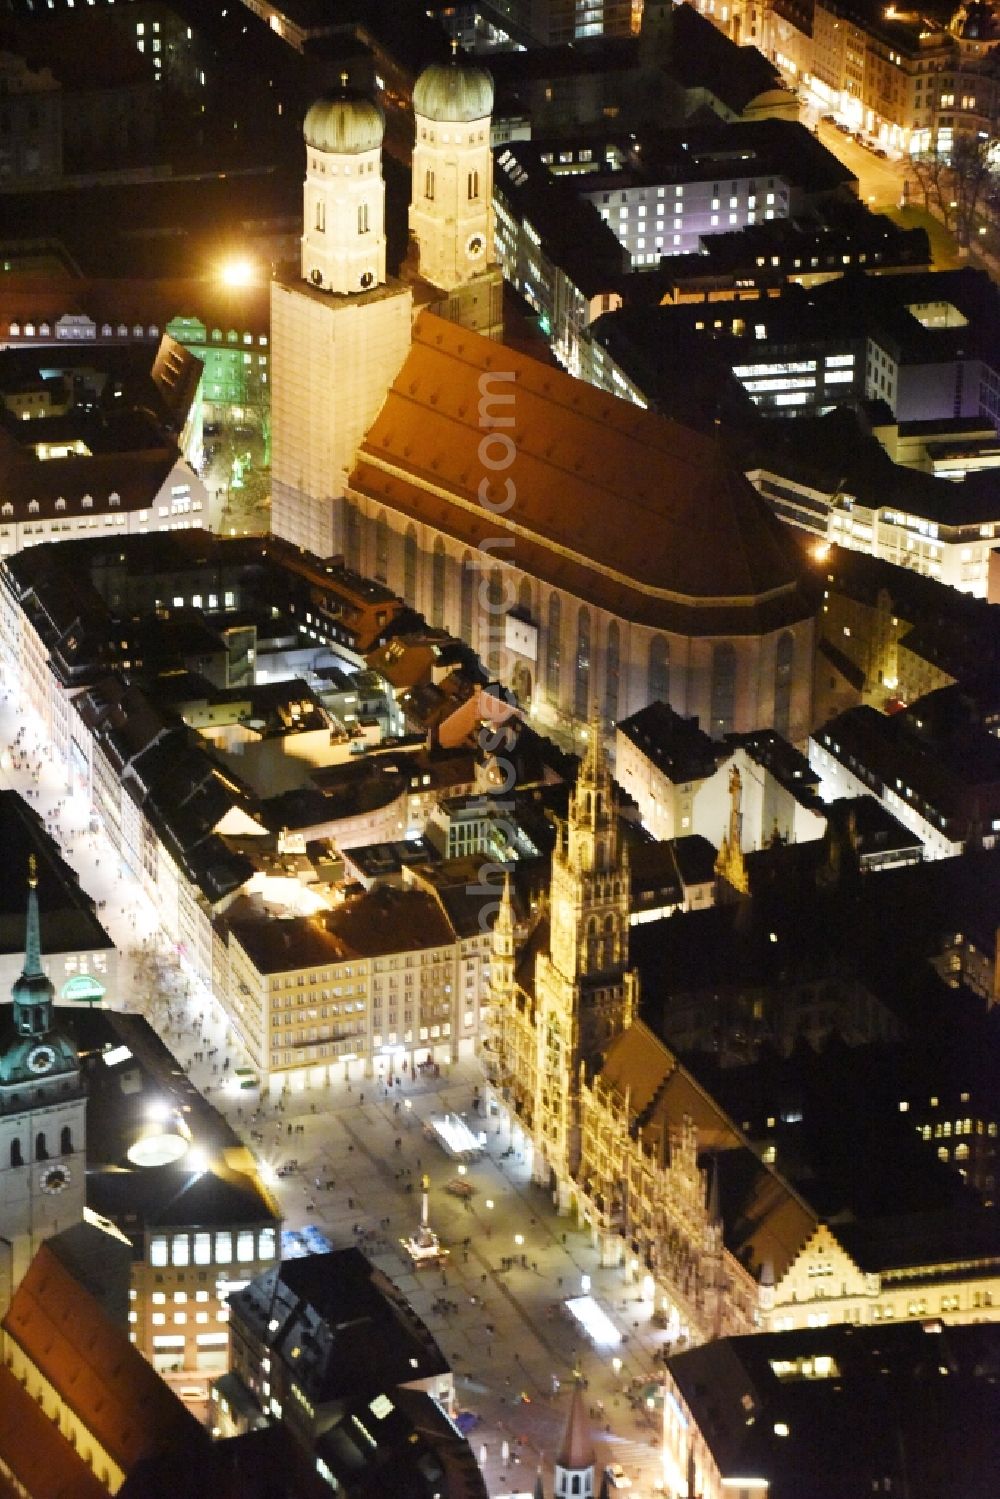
pixel 117 1395
pixel 616 504
pixel 577 1449
pixel 34 1449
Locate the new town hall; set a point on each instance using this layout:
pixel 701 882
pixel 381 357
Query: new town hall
pixel 615 1126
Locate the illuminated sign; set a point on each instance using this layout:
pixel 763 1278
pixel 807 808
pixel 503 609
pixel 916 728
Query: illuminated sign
pixel 82 989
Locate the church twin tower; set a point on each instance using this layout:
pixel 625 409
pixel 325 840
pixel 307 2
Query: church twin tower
pixel 341 331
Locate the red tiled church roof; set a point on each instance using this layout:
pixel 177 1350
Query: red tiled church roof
pixel 614 503
pixel 42 1460
pixel 117 1395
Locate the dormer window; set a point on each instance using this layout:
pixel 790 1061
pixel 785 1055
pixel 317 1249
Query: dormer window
pixel 32 507
pixel 87 502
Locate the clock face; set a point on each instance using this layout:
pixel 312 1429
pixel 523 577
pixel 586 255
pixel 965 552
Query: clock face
pixel 40 1059
pixel 56 1179
pixel 475 245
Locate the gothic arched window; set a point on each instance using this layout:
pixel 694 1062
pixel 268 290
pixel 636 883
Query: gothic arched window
pixel 473 185
pixel 352 536
pixel 16 1158
pixel 783 660
pixel 66 1141
pixel 382 548
pixel 362 218
pixel 553 649
pixel 658 671
pixel 321 216
pixel 581 686
pixel 429 186
pixel 41 1149
pixel 438 576
pixel 468 597
pixel 524 596
pixel 612 672
pixel 723 704
pixel 410 565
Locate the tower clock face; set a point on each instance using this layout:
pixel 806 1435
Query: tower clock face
pixel 56 1179
pixel 475 246
pixel 40 1059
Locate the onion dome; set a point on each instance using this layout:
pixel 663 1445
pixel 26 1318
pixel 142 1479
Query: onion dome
pixel 453 93
pixel 344 123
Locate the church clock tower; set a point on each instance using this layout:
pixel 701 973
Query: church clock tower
pixel 451 203
pixel 42 1116
pixel 584 994
pixel 343 226
pixel 340 329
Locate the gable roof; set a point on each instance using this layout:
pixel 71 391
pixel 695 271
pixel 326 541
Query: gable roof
pixel 43 1461
pixel 618 505
pixel 117 1395
pixel 764 1219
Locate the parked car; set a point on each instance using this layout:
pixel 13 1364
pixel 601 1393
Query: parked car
pixel 617 1477
pixel 881 153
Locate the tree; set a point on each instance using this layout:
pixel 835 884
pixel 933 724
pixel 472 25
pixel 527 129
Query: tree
pixel 974 176
pixel 958 187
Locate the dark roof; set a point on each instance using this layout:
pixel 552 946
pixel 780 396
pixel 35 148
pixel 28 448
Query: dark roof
pixel 915 1407
pixel 676 745
pixel 68 919
pixel 946 766
pixel 836 454
pixel 341 1326
pixel 702 57
pixel 574 236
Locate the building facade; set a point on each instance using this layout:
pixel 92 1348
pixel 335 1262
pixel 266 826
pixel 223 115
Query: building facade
pixel 585 1082
pixel 42 1116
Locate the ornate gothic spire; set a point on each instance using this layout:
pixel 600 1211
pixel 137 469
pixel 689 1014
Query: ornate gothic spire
pixel 730 864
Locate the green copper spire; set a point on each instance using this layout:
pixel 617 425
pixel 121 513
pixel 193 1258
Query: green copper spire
pixel 33 935
pixel 32 992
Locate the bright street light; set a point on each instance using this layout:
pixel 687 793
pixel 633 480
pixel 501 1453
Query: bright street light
pixel 237 273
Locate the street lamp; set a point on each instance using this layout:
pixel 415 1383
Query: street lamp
pixel 237 272
pixel 518 1240
pixel 616 1365
pixel 489 1202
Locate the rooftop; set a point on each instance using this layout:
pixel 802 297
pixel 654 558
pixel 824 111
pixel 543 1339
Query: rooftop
pixel 844 1410
pixel 657 499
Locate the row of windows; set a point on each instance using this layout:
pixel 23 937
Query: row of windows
pixel 42 1146
pixel 122 330
pixel 212 1249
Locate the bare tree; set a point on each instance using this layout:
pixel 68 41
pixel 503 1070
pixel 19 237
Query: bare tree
pixel 971 174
